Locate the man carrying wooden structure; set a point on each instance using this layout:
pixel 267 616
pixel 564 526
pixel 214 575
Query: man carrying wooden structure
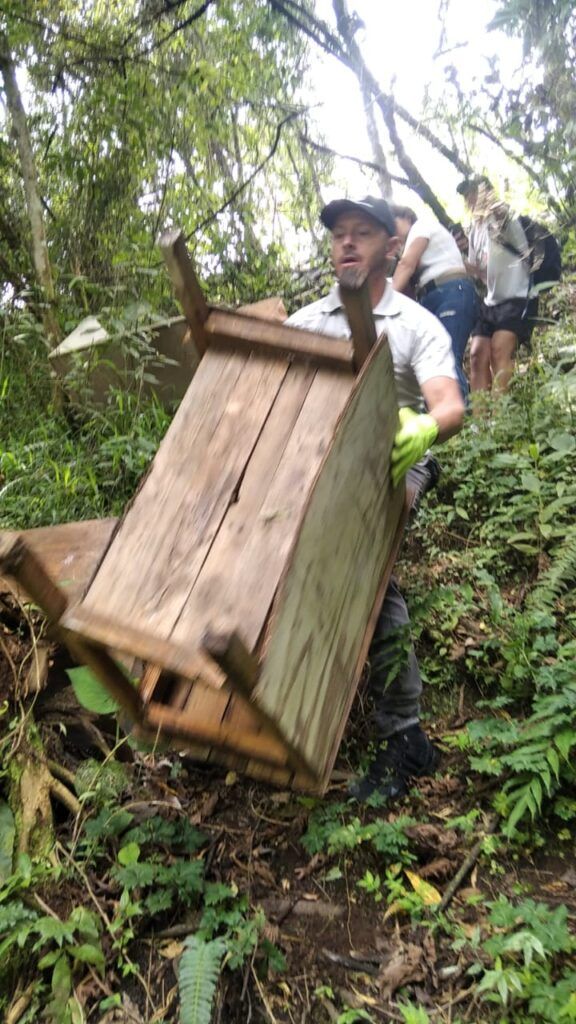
pixel 244 580
pixel 363 243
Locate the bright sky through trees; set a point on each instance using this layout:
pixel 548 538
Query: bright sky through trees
pixel 409 44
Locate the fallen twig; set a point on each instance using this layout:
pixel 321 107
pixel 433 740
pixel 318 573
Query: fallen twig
pixel 467 865
pixel 350 963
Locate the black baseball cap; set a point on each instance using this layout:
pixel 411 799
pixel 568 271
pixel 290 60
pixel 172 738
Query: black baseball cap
pixel 469 184
pixel 376 208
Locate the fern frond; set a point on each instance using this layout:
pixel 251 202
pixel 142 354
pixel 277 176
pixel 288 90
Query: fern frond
pixel 197 978
pixel 557 576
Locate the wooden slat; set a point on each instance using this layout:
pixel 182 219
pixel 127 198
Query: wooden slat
pixel 367 638
pixel 232 330
pixel 272 309
pixel 231 655
pixel 207 731
pixel 239 579
pixel 108 671
pixel 332 578
pixel 355 295
pixel 186 285
pixel 68 553
pixel 20 562
pixel 161 544
pixel 117 635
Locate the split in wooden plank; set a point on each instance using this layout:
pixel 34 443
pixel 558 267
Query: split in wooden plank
pixel 355 295
pixel 186 285
pixel 234 330
pixel 239 579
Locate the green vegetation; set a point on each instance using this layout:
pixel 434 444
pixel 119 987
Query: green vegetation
pixel 134 886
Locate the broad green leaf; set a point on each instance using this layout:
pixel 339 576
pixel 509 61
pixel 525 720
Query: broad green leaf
pixel 129 854
pixel 61 980
pixel 87 954
pixel 562 442
pixel 90 692
pixel 530 482
pixel 7 836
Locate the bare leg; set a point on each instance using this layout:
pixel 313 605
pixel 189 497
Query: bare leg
pixel 503 350
pixel 480 371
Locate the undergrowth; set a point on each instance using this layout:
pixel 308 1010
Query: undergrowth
pixel 493 606
pixel 494 618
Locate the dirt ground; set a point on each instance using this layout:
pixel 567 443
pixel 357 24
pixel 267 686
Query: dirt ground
pixel 345 947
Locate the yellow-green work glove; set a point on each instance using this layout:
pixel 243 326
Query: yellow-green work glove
pixel 412 440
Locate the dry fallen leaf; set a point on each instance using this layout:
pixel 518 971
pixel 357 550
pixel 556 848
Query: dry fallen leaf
pixel 405 966
pixel 171 950
pixel 427 893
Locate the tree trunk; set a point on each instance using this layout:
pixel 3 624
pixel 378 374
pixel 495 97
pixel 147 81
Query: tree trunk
pixel 40 257
pixel 369 85
pixel 384 178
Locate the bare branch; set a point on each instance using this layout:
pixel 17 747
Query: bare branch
pixel 368 164
pixel 244 185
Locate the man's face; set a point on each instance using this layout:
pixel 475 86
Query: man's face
pixel 360 241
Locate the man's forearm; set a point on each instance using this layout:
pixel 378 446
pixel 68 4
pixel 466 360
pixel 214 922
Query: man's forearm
pixel 403 275
pixel 475 270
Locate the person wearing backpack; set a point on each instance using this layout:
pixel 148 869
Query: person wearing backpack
pixel 499 256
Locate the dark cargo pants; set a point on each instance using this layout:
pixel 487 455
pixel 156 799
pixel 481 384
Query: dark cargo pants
pixel 395 680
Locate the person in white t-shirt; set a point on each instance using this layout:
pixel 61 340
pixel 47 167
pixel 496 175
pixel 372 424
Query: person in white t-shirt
pixel 498 255
pixel 432 260
pixel 363 236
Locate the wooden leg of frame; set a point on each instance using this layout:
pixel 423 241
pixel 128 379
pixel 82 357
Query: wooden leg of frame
pixel 230 653
pixel 19 561
pixel 186 285
pixel 356 298
pixel 103 665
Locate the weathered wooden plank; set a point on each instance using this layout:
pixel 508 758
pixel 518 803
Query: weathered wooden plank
pixel 164 538
pixel 180 659
pixel 211 732
pixel 355 295
pixel 272 309
pixel 19 561
pixel 231 655
pixel 69 553
pixel 234 330
pixel 334 571
pixel 368 634
pixel 228 580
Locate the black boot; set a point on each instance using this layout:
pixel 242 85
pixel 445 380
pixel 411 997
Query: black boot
pixel 402 757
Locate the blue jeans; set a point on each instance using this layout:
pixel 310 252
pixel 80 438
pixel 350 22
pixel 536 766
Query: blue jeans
pixel 455 305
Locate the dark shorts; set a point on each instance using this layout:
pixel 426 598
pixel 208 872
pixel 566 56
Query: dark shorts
pixel 515 315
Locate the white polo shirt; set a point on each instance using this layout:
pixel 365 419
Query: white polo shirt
pixel 420 346
pixel 441 255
